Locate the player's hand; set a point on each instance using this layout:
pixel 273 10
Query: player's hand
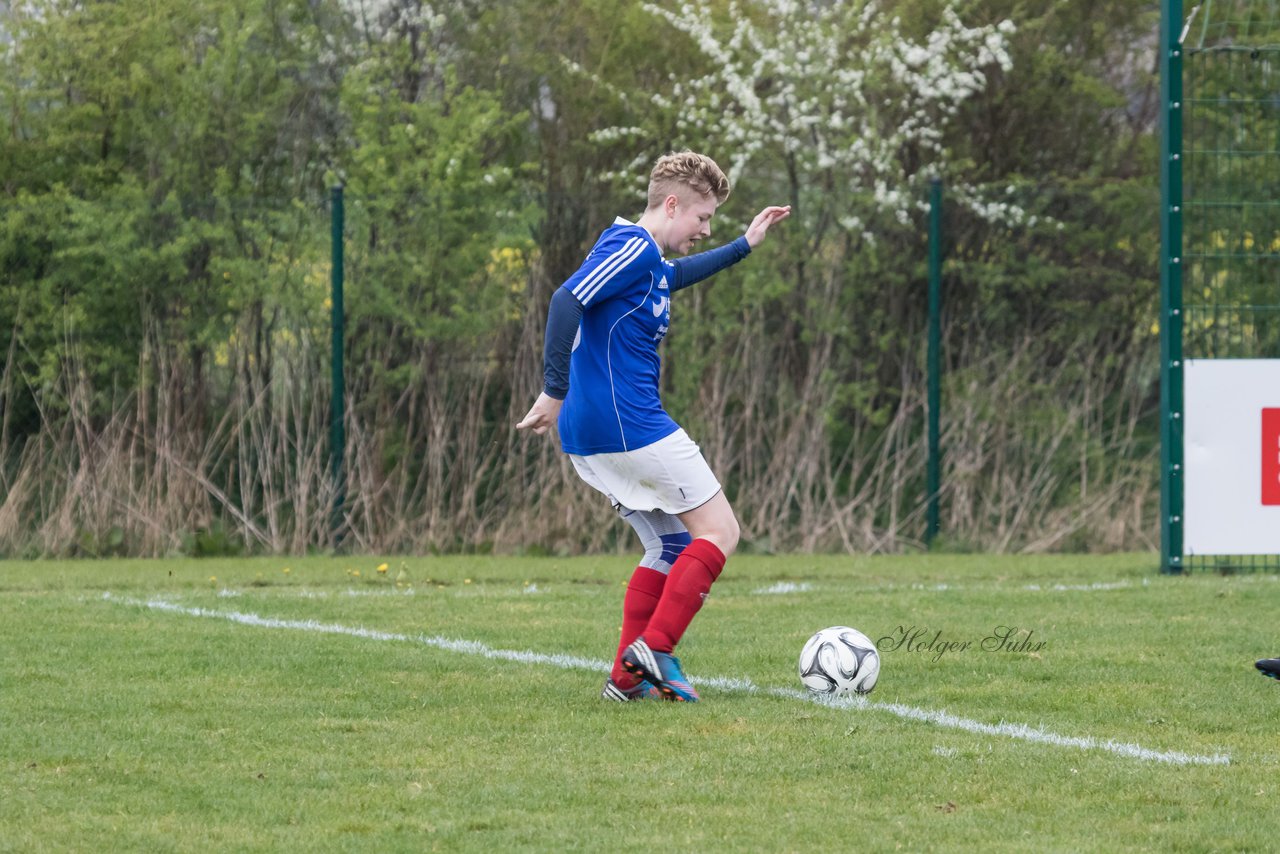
pixel 760 225
pixel 542 415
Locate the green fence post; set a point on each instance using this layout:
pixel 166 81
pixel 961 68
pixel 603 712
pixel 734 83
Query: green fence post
pixel 935 345
pixel 1171 361
pixel 337 403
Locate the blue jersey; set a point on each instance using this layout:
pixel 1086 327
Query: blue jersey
pixel 624 287
pixel 603 331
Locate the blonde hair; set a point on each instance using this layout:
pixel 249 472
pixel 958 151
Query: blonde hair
pixel 686 170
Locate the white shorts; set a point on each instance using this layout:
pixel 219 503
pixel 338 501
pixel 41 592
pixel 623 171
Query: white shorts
pixel 670 475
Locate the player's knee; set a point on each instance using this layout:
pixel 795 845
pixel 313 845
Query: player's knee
pixel 716 523
pixel 725 535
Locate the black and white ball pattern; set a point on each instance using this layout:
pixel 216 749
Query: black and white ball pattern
pixel 839 660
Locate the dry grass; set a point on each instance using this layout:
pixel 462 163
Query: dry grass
pixel 235 457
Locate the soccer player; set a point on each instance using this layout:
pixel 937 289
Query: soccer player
pixel 601 369
pixel 1269 667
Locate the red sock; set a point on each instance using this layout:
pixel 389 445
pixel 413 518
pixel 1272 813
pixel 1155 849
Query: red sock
pixel 691 578
pixel 643 593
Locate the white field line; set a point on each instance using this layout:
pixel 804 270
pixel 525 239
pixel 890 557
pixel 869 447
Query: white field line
pixel 571 662
pixel 780 588
pixel 783 587
pixel 1100 585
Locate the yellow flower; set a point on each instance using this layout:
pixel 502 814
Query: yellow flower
pixel 466 581
pixel 382 567
pixel 356 573
pixel 286 570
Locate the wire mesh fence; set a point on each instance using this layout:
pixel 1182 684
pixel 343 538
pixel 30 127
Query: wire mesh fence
pixel 1231 198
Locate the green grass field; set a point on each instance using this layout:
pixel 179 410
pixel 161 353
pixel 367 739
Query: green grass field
pixel 291 704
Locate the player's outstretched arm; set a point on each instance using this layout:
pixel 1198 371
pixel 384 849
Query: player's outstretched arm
pixel 542 415
pixel 759 227
pixel 694 268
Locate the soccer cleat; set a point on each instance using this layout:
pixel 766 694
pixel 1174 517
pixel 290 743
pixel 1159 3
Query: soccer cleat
pixel 1269 667
pixel 659 668
pixel 642 691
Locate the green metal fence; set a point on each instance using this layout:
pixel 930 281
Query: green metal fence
pixel 1221 218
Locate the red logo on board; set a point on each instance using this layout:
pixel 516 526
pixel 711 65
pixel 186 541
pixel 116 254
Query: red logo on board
pixel 1271 456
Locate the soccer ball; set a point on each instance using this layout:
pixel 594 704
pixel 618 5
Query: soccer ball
pixel 839 660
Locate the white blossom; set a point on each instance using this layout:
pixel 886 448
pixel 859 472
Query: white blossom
pixel 837 88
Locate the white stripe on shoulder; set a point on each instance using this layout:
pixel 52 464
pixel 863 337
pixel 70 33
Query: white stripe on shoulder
pixel 600 276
